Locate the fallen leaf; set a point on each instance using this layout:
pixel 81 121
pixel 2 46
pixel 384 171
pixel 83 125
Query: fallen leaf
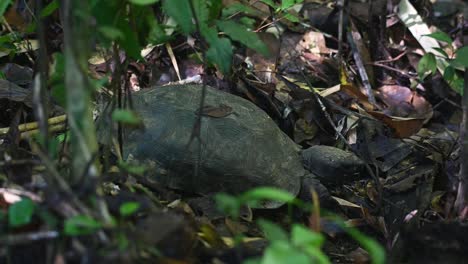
pixel 221 110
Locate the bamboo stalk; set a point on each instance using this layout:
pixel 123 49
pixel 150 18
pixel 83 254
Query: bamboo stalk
pixel 34 125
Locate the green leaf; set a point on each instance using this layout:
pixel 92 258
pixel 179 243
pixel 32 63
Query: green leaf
pixel 248 22
pixel 132 169
pixel 302 236
pixel 20 213
pixel 239 33
pixel 268 193
pixel 462 56
pixel 272 231
pixel 375 250
pixel 130 42
pixel 291 17
pixel 228 204
pixel 143 2
pixel 270 3
pixel 50 8
pixel 80 225
pixel 126 117
pixel 449 73
pixel 238 8
pixel 201 10
pixel 427 65
pixel 285 4
pixel 110 32
pixel 3 6
pixel 252 261
pixel 442 52
pixel 220 50
pixel 182 14
pixel 441 36
pixel 128 208
pixel 458 85
pixel 157 34
pixel 215 7
pixel 280 252
pixel 57 81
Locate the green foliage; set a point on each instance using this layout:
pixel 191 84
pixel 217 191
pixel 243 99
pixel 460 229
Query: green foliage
pixel 81 225
pixel 259 194
pixel 3 6
pixel 428 64
pixel 441 36
pixel 376 252
pixel 57 79
pixel 180 11
pixel 20 213
pixel 462 57
pixel 50 8
pixel 239 33
pixel 231 204
pixel 126 117
pixel 143 2
pixel 301 245
pixel 207 16
pixel 132 169
pixel 128 208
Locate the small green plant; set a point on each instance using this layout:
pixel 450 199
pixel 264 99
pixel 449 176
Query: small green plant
pixel 128 208
pixel 428 63
pixel 21 212
pixel 81 225
pixel 301 245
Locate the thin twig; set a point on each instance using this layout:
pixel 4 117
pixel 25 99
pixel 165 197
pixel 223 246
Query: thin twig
pixel 461 203
pixel 196 131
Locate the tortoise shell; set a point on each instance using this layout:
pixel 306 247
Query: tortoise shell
pixel 241 146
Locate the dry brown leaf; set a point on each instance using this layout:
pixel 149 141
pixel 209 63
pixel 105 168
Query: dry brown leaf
pixel 221 110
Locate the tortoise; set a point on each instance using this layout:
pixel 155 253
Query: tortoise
pixel 242 147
